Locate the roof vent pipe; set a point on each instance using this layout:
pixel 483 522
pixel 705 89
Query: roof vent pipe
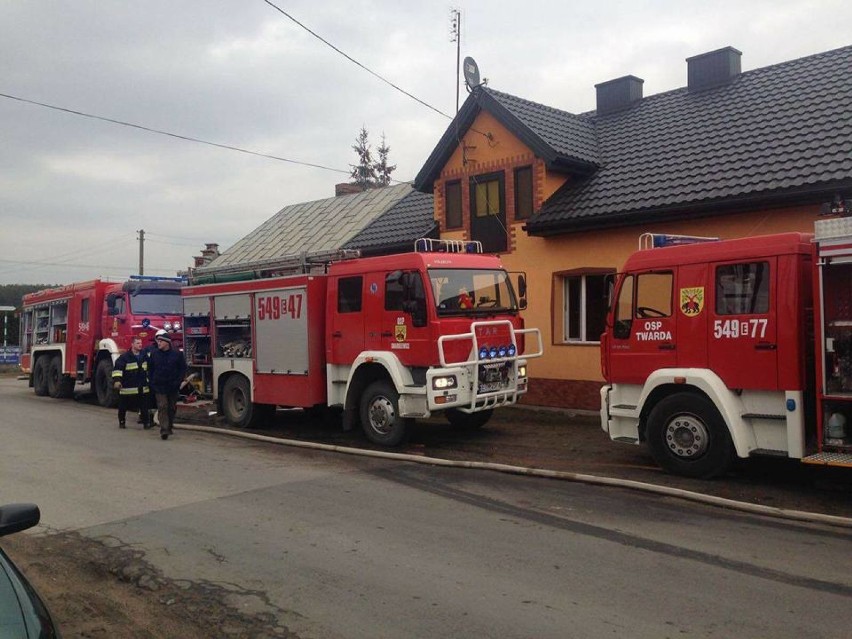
pixel 713 69
pixel 618 94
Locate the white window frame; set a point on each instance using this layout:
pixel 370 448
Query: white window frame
pixel 566 308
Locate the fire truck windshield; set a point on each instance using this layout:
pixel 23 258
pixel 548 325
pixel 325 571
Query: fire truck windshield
pixel 472 291
pixel 156 302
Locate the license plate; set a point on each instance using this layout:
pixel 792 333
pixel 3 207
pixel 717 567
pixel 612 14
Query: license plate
pixel 490 388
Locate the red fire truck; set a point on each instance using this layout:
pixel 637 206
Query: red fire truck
pixel 72 334
pixel 733 348
pixel 387 339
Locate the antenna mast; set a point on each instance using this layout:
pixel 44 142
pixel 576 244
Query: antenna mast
pixel 455 36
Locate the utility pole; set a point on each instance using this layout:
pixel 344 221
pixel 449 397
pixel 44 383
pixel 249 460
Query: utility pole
pixel 455 36
pixel 141 251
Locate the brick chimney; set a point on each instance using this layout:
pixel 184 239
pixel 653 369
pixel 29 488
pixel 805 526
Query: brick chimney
pixel 713 69
pixel 345 188
pixel 616 95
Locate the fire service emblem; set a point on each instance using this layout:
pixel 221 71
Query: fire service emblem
pixel 692 301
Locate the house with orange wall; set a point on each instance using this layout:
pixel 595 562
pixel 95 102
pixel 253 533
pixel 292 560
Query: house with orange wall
pixel 564 197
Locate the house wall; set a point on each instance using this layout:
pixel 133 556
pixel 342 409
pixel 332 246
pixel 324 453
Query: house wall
pixel 568 374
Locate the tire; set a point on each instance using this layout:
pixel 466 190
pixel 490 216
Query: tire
pixel 40 376
pixel 54 377
pixel 468 421
pixel 103 384
pixel 687 436
pixel 380 415
pixel 239 410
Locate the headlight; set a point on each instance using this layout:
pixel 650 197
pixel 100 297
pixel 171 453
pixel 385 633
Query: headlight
pixel 167 326
pixel 512 350
pixel 176 326
pixel 483 352
pixel 522 370
pixel 440 383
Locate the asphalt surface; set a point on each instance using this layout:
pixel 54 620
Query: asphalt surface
pixel 316 544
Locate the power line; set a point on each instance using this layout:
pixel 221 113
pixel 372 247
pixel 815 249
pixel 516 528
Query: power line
pixel 353 60
pixel 112 266
pixel 173 135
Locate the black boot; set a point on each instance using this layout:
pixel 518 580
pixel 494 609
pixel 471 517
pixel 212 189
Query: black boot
pixel 121 425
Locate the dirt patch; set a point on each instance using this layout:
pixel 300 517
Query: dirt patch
pixel 101 589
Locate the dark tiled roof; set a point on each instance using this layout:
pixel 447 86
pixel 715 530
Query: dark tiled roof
pixel 783 131
pixel 397 228
pixel 566 142
pixel 569 136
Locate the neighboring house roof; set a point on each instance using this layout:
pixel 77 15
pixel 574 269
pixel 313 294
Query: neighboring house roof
pixel 399 227
pixel 308 229
pixel 566 142
pixel 772 134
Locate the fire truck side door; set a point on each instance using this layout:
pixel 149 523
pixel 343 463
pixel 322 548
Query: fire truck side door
pixel 388 326
pixel 82 307
pixel 346 319
pixel 644 331
pixel 691 295
pixel 743 348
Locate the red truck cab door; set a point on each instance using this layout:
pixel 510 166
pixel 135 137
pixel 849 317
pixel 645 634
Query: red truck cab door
pixel 345 318
pixel 643 335
pixel 743 348
pixel 390 326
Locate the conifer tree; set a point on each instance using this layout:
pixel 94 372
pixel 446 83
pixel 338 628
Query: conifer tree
pixel 381 167
pixel 363 173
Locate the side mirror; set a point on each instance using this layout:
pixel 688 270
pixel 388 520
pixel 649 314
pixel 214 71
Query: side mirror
pixel 522 290
pixel 17 517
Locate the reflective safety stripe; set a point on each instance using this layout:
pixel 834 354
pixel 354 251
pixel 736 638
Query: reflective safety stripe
pixel 129 391
pixel 131 366
pixel 116 373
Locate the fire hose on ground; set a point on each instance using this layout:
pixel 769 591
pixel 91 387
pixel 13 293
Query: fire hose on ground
pixel 731 504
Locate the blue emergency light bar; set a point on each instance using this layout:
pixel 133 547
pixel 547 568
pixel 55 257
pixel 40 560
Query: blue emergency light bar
pixel 661 240
pixel 157 278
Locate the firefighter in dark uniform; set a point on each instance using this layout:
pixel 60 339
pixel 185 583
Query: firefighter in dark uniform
pixel 130 380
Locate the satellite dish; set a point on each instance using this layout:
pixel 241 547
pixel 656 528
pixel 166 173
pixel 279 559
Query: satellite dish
pixel 471 73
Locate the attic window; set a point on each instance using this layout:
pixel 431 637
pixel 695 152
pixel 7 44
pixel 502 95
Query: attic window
pixel 523 193
pixel 453 199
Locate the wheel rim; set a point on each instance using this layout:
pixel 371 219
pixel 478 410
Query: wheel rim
pixel 686 436
pixel 237 403
pixel 382 415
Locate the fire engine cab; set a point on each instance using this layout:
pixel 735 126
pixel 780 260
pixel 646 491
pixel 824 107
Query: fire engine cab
pixel 387 339
pixel 716 349
pixel 72 334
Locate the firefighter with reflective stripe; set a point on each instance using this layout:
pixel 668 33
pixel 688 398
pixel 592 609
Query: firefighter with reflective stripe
pixel 130 379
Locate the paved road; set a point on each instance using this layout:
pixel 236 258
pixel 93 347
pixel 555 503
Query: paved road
pixel 349 547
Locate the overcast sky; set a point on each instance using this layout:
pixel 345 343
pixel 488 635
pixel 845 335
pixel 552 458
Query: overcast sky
pixel 74 191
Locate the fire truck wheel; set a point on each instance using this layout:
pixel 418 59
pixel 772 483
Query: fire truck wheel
pixel 40 376
pixel 55 386
pixel 380 415
pixel 239 410
pixel 103 384
pixel 468 421
pixel 687 436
